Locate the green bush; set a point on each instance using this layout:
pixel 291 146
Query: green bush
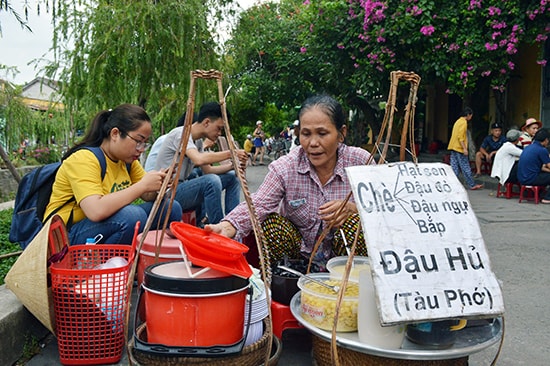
pixel 5 245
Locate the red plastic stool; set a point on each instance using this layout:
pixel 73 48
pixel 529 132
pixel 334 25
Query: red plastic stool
pixel 508 190
pixel 282 319
pixel 189 217
pixel 526 191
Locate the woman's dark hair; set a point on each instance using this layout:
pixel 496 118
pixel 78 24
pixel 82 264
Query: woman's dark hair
pixel 466 112
pixel 541 135
pixel 328 104
pixel 125 117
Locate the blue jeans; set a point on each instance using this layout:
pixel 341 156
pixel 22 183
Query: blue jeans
pixel 460 162
pixel 119 228
pixel 206 191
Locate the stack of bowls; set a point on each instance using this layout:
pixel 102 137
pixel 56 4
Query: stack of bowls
pixel 258 312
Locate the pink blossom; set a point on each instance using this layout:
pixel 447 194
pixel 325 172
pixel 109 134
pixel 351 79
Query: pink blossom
pixel 454 47
pixel 499 25
pixel 474 4
pixel 463 75
pixel 303 49
pixel 503 71
pixel 493 10
pixel 380 39
pixel 495 35
pixel 311 28
pixel 340 46
pixel 427 30
pixel 486 73
pixel 490 46
pixel 511 65
pixel 542 63
pixel 306 2
pixel 541 37
pixel 356 65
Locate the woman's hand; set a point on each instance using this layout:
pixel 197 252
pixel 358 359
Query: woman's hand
pixel 223 228
pixel 152 181
pixel 328 211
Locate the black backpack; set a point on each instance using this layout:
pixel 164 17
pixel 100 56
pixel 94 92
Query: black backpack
pixel 33 196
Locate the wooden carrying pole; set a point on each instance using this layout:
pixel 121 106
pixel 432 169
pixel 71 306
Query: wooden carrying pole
pixel 172 176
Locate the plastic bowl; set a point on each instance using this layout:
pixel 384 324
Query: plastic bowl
pixel 337 265
pixel 318 303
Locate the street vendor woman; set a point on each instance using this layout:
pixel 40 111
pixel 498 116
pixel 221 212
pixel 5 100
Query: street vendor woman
pixel 303 190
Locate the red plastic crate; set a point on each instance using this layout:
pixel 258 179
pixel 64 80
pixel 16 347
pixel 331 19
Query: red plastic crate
pixel 90 304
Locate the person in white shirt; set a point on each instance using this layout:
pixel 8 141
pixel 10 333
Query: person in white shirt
pixel 505 163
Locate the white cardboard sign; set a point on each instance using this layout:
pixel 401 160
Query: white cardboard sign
pixel 427 255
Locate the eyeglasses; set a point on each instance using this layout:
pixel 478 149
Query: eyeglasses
pixel 140 145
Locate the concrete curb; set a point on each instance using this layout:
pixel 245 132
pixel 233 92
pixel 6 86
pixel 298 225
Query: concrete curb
pixel 17 327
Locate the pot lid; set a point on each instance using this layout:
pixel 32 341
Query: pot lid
pixel 212 250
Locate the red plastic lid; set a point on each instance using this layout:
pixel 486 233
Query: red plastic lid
pixel 170 247
pixel 212 250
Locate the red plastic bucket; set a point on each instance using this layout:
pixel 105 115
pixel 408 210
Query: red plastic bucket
pixel 204 311
pixel 169 251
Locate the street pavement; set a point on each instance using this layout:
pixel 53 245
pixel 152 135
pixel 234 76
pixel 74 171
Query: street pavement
pixel 517 240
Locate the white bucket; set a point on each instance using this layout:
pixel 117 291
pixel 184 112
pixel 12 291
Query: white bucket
pixel 368 320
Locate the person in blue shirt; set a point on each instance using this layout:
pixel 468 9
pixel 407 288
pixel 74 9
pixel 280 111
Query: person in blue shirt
pixel 489 147
pixel 534 163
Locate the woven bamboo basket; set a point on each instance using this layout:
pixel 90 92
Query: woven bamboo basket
pixel 251 355
pixel 347 357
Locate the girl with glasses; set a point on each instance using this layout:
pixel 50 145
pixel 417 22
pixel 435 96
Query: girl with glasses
pixel 103 202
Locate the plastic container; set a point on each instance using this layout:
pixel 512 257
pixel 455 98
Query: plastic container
pixel 337 265
pixel 169 251
pixel 318 303
pixel 369 328
pixel 206 310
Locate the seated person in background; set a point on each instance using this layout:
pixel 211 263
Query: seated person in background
pixel 489 147
pixel 304 189
pixel 151 160
pixel 529 129
pixel 505 162
pixel 104 205
pixel 534 163
pixel 207 189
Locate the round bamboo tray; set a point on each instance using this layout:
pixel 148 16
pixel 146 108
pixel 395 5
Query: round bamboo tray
pixel 347 357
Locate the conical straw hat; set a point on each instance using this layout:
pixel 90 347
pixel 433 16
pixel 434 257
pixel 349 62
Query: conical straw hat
pixel 28 278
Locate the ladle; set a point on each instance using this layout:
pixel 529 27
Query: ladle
pixel 298 273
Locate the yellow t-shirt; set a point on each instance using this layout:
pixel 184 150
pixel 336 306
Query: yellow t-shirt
pixel 248 145
pixel 80 176
pixel 460 129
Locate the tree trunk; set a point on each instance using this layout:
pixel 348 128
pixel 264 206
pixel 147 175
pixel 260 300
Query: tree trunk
pixel 8 163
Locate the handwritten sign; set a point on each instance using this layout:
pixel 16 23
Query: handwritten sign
pixel 427 254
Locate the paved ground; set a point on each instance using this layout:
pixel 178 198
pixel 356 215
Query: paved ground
pixel 517 239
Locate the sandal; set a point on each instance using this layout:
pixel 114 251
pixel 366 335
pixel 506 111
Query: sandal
pixel 476 187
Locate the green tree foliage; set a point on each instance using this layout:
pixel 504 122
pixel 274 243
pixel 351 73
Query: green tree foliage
pixel 142 52
pixel 284 51
pixel 457 43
